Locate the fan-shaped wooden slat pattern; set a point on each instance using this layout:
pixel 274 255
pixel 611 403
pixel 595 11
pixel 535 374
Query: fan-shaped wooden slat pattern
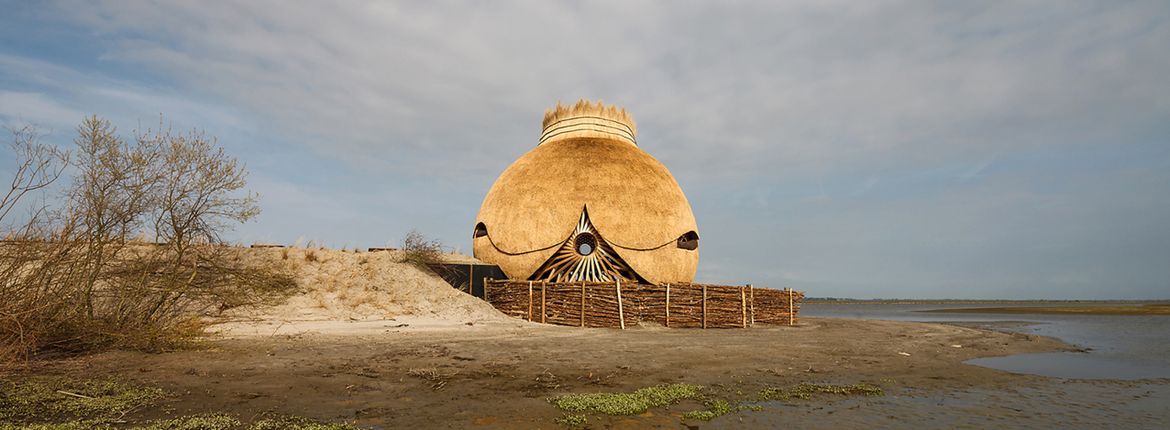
pixel 600 264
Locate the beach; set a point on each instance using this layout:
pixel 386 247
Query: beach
pixel 435 373
pixel 372 341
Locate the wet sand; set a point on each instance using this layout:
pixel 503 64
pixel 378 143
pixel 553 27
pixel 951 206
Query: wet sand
pixel 500 374
pixel 1046 404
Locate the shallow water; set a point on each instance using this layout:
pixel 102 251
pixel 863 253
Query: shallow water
pixel 1118 346
pixel 1068 404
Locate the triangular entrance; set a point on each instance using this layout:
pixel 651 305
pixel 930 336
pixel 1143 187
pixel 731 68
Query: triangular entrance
pixel 585 256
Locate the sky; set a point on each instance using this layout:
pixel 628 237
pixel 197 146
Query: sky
pixel 1016 149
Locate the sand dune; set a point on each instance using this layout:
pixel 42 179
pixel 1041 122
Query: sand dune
pixel 346 286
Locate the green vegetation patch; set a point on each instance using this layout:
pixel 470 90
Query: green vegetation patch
pixel 71 425
pixel 805 391
pixel 577 406
pixel 628 403
pixel 194 422
pixel 298 423
pixel 715 409
pixel 573 420
pixel 61 404
pixel 81 400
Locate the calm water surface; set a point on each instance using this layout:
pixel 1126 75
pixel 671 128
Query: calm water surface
pixel 1119 347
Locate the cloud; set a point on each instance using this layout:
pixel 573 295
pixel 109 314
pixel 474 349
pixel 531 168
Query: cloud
pixel 771 115
pixel 787 84
pixel 60 96
pixel 18 108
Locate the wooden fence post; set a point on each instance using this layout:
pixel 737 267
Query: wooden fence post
pixel 621 313
pixel 791 316
pixel 543 286
pixel 668 305
pixel 743 306
pixel 471 279
pixel 752 303
pixel 485 289
pixel 704 305
pixel 582 303
pixel 529 301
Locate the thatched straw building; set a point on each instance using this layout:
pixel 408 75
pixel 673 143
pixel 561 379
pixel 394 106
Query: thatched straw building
pixel 588 205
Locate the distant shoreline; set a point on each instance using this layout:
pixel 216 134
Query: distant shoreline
pixel 1141 309
pixel 829 301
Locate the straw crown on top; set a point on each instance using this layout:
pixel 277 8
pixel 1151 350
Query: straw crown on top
pixel 588 119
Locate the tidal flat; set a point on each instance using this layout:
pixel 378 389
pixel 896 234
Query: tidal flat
pixel 824 372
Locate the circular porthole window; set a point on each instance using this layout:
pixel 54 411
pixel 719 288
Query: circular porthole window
pixel 585 244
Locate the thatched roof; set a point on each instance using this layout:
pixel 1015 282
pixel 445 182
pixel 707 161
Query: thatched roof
pixel 632 200
pixel 588 119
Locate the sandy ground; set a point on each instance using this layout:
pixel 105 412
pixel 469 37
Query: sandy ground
pixel 499 374
pixel 375 341
pixel 338 285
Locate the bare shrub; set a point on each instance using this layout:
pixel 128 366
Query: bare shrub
pixel 38 166
pixel 419 250
pixel 76 281
pixel 29 267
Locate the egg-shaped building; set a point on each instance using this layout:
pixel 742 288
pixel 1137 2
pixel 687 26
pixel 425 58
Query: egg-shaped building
pixel 587 204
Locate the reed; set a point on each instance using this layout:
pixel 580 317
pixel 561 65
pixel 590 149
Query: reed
pixel 616 305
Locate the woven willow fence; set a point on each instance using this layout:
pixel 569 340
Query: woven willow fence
pixel 617 304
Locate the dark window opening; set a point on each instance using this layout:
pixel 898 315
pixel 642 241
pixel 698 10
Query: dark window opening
pixel 585 243
pixel 480 230
pixel 689 241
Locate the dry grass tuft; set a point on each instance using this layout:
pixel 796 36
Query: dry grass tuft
pixel 421 251
pixel 438 380
pixel 429 373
